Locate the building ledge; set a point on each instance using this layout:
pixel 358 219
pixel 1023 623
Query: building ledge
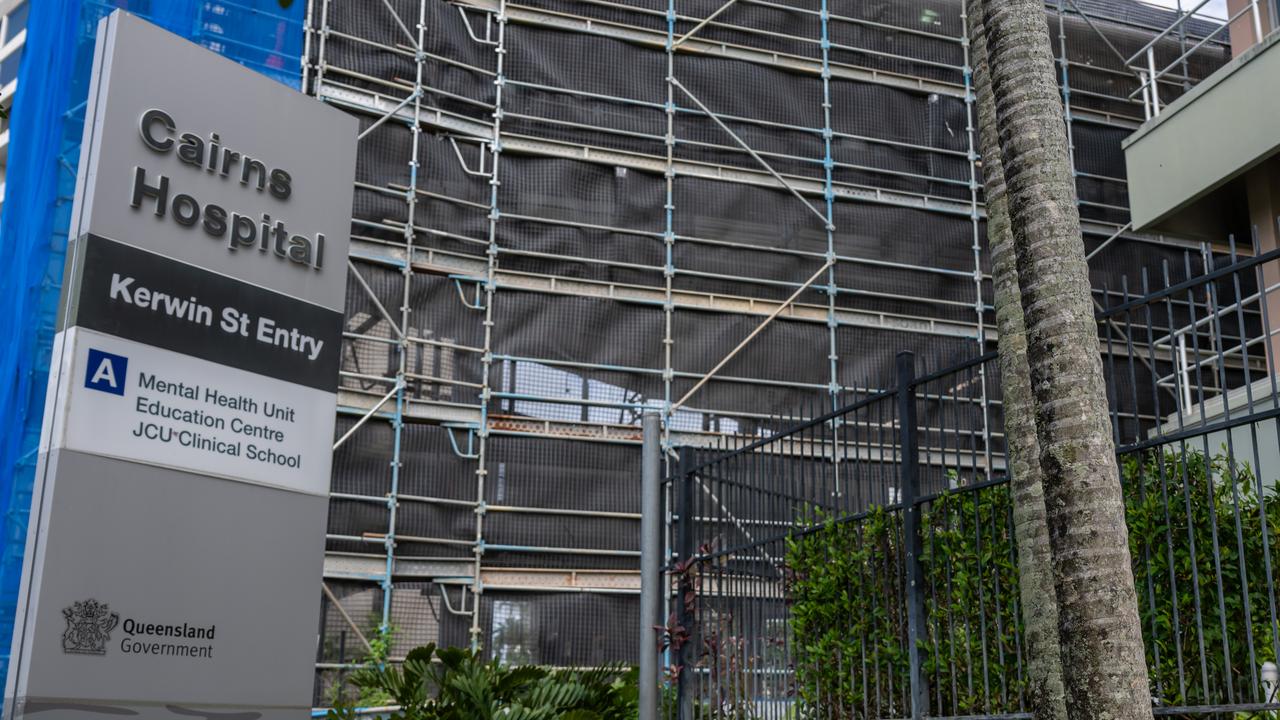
pixel 1202 141
pixel 1259 396
pixel 1206 86
pixel 1239 426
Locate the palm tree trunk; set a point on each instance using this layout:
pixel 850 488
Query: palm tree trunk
pixel 1022 451
pixel 1104 664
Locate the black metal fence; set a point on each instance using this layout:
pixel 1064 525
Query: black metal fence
pixel 860 563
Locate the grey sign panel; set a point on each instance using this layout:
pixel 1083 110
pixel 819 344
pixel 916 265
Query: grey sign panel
pixel 169 591
pixel 189 155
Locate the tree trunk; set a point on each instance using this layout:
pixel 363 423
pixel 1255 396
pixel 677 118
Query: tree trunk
pixel 1104 664
pixel 1022 451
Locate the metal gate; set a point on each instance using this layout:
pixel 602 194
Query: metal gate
pixel 860 563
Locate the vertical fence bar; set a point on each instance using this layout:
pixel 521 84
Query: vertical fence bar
pixel 908 492
pixel 650 562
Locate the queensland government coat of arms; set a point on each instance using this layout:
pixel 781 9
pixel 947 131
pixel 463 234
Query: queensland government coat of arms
pixel 89 626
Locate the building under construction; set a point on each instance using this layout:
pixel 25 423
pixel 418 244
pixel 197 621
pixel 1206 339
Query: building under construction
pixel 569 211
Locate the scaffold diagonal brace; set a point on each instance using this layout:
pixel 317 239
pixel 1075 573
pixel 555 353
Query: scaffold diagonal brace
pixel 1123 229
pixel 745 341
pixel 756 156
pixel 374 297
pixel 703 23
pixel 413 41
pixel 1102 35
pixel 737 522
pixel 343 612
pixel 388 115
pixel 370 413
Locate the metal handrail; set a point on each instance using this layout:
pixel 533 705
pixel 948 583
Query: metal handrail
pixel 1149 88
pixel 1189 14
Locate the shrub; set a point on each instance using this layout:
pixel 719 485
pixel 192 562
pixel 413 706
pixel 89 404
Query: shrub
pixel 1196 534
pixel 455 684
pixel 849 629
pixel 1204 557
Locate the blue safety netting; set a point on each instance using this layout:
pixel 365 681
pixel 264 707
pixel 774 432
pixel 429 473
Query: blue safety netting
pixel 47 117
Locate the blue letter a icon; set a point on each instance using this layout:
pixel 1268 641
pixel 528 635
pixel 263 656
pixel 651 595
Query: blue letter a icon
pixel 106 372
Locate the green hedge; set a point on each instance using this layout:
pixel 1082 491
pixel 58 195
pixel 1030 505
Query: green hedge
pixel 848 600
pixel 1224 522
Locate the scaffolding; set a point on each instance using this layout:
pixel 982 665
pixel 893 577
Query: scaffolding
pixel 570 211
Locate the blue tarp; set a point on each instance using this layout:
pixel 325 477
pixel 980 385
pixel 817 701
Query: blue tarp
pixel 47 117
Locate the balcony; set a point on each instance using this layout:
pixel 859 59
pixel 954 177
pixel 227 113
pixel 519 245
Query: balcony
pixel 1189 166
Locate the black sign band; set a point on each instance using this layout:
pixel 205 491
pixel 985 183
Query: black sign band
pixel 131 293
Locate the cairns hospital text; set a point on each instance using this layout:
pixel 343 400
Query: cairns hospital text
pixel 241 231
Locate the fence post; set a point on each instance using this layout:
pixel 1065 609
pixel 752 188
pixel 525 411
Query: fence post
pixel 684 548
pixel 908 445
pixel 651 578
